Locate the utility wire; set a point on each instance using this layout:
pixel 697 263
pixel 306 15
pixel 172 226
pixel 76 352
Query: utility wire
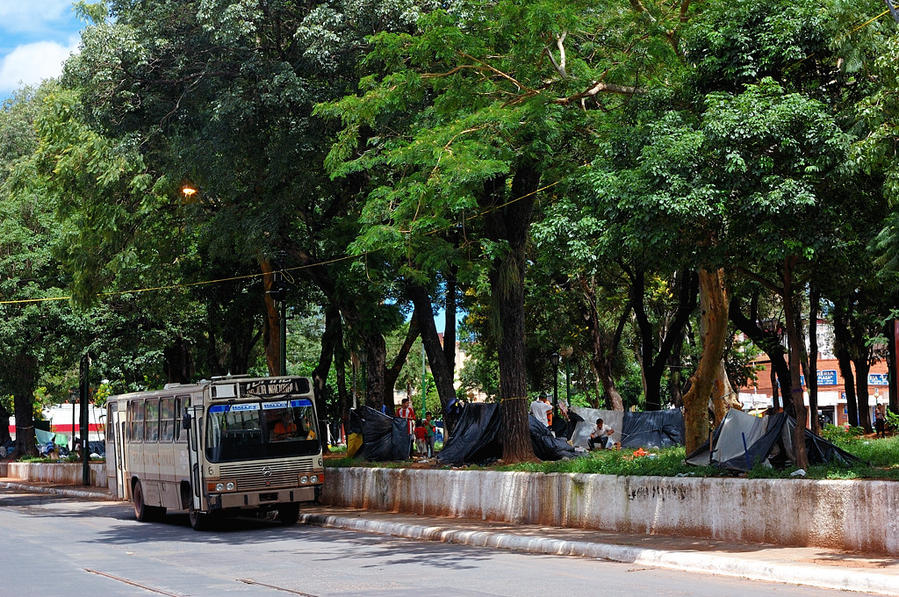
pixel 48 299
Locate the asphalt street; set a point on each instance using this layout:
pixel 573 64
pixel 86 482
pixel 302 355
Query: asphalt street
pixel 62 546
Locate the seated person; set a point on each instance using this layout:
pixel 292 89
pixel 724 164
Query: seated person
pixel 284 428
pixel 600 435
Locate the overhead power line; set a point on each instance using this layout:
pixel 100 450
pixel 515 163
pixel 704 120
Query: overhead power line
pixel 285 270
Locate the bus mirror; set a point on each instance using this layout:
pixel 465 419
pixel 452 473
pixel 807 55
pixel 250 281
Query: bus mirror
pixel 185 419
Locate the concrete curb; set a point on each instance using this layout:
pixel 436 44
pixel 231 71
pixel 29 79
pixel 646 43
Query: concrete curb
pixel 63 491
pixel 704 562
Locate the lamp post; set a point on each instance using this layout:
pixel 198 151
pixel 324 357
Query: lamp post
pixel 84 427
pixel 555 358
pixel 566 353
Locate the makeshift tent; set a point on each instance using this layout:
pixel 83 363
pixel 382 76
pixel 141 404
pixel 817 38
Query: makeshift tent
pixel 384 437
pixel 742 440
pixel 476 438
pixel 546 445
pixel 653 429
pixel 612 418
pixel 650 429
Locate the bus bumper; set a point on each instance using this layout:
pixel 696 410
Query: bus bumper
pixel 259 499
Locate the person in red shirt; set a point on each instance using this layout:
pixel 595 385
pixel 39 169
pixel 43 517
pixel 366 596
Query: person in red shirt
pixel 420 437
pixel 406 412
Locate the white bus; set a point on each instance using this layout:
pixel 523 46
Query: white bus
pixel 216 447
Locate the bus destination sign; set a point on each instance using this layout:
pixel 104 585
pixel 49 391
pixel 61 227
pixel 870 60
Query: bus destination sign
pixel 275 387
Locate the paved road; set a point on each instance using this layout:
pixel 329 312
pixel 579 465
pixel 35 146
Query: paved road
pixel 59 546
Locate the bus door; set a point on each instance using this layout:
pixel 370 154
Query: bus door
pixel 115 437
pixel 193 456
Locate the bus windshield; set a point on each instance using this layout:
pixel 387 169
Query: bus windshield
pixel 258 430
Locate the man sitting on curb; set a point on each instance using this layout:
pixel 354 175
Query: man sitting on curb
pixel 600 435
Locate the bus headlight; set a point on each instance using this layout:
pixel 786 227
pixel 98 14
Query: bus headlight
pixel 304 480
pixel 220 486
pixel 313 479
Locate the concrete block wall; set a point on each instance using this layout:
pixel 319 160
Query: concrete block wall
pixel 56 473
pixel 851 515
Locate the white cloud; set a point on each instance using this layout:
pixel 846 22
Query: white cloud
pixel 32 15
pixel 30 64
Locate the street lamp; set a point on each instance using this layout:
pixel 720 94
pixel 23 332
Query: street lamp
pixel 555 358
pixel 566 353
pixel 84 427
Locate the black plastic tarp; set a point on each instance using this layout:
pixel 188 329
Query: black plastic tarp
pixel 652 429
pixel 475 438
pixel 384 437
pixel 546 446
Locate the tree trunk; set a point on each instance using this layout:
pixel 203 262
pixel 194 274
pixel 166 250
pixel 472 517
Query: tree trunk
pixel 394 371
pixel 604 347
pixel 271 335
pixel 320 373
pixel 841 348
pixel 441 367
pixel 724 397
pixel 862 367
pixel 375 366
pixel 892 333
pixel 769 342
pixel 340 359
pixel 449 325
pixel 811 375
pixel 794 334
pixel 25 371
pixel 5 438
pixel 703 381
pixel 510 222
pixel 653 361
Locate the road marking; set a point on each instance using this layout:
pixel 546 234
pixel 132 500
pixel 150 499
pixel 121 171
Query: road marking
pixel 131 582
pixel 250 581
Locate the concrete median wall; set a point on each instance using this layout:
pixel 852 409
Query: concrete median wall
pixel 851 515
pixel 59 474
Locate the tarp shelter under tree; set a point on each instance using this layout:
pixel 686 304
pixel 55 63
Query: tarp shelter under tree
pixel 742 440
pixel 384 437
pixel 477 439
pixel 650 429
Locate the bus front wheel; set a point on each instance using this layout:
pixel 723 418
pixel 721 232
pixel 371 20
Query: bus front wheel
pixel 143 512
pixel 198 520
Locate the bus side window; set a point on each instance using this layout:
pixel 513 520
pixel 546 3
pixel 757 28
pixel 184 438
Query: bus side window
pixel 137 420
pixel 181 402
pixel 166 419
pixel 110 426
pixel 152 421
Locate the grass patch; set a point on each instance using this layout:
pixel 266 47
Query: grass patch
pixel 880 460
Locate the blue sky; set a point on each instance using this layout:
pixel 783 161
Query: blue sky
pixel 36 36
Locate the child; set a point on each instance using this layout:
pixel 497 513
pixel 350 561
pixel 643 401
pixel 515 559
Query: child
pixel 420 437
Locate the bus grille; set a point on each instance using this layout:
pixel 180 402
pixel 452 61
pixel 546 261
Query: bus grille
pixel 251 476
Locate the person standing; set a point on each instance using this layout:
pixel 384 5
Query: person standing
pixel 406 412
pixel 430 434
pixel 542 410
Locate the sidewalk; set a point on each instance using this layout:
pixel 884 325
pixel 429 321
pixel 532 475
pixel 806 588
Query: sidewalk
pixel 74 491
pixel 815 567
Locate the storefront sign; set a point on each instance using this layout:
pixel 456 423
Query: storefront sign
pixel 878 379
